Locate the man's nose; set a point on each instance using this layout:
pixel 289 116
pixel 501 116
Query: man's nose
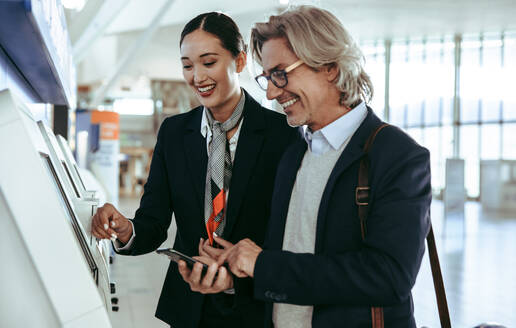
pixel 273 91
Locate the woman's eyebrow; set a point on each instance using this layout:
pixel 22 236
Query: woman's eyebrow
pixel 209 54
pixel 203 55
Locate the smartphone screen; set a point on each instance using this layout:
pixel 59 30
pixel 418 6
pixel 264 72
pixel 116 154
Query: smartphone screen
pixel 176 256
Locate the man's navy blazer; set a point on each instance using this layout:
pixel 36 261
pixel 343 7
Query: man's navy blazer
pixel 176 185
pixel 346 275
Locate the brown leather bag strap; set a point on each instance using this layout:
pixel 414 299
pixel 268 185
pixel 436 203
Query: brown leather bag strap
pixel 362 190
pixel 362 200
pixel 440 293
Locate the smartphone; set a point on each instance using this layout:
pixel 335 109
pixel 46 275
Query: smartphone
pixel 176 256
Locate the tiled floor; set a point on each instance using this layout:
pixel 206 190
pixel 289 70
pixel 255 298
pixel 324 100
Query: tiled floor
pixel 478 260
pixel 139 281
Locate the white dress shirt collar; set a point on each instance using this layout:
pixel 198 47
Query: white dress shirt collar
pixel 207 134
pixel 205 127
pixel 335 134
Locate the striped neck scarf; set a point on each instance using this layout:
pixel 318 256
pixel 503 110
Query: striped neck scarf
pixel 218 173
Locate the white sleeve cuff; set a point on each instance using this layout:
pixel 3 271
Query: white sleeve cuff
pixel 119 246
pixel 230 291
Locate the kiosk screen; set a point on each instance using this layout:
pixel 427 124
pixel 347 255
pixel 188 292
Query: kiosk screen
pixel 71 215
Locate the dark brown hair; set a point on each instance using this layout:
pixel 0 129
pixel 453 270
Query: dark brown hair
pixel 221 26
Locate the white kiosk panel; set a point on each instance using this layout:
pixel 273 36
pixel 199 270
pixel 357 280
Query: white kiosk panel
pixel 22 290
pixel 44 231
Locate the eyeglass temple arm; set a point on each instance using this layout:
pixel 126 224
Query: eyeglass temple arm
pixel 293 66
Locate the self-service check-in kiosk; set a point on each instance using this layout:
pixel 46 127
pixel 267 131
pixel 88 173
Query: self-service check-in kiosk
pixel 53 272
pixel 71 164
pixel 86 196
pixel 82 207
pixel 87 182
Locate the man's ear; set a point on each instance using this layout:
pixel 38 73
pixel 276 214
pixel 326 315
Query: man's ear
pixel 332 72
pixel 241 61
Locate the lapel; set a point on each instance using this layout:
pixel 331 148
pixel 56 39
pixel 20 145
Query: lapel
pixel 352 152
pixel 250 142
pixel 283 192
pixel 195 149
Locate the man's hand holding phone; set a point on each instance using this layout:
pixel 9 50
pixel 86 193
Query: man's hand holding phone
pixel 217 278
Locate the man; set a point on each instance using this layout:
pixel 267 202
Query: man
pixel 319 266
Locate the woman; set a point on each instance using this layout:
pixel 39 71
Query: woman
pixel 214 168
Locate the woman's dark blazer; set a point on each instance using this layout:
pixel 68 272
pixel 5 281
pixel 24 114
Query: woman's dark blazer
pixel 176 185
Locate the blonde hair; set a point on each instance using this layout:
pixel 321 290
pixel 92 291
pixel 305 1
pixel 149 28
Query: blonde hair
pixel 318 38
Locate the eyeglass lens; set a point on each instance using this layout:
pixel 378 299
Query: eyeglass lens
pixel 278 78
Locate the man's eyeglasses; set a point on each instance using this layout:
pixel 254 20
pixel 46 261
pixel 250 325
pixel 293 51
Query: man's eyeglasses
pixel 278 78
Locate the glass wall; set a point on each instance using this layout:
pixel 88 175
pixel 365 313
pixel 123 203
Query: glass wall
pixel 421 97
pixel 375 66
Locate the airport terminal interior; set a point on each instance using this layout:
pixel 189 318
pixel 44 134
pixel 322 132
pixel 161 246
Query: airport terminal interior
pixel 86 84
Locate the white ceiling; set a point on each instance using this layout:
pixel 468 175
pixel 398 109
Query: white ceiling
pixel 106 28
pixel 139 13
pixel 365 19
